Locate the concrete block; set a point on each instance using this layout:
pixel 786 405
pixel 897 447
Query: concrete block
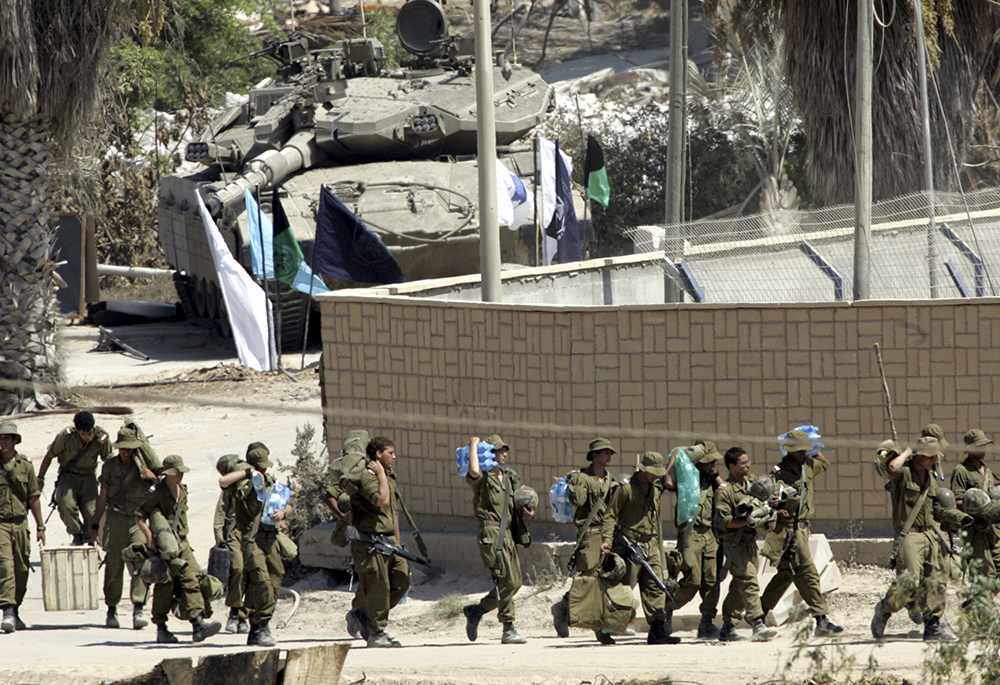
pixel 315 665
pixel 238 668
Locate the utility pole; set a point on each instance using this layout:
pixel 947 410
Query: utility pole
pixel 863 153
pixel 675 143
pixel 486 143
pixel 932 252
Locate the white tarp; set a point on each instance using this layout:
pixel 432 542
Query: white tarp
pixel 547 169
pixel 246 305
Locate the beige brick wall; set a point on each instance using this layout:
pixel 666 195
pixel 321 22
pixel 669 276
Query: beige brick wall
pixel 731 370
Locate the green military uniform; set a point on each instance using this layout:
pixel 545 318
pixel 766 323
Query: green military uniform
pixel 587 492
pixel 226 533
pixel 185 584
pixel 919 556
pixel 637 513
pixel 261 555
pixel 76 492
pixel 798 569
pixel 18 487
pixel 699 552
pixel 739 548
pixel 980 549
pixel 125 490
pixel 335 491
pixel 384 578
pixel 487 502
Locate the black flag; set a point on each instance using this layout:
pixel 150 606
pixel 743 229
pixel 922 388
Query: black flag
pixel 347 249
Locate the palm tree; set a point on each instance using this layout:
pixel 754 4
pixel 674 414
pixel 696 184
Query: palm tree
pixel 820 36
pixel 51 58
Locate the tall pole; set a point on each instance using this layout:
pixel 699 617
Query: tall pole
pixel 863 154
pixel 675 141
pixel 932 252
pixel 486 142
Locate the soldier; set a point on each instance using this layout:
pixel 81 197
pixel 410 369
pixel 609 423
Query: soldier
pixel 739 549
pixel 261 553
pixel 589 489
pixel 493 503
pixel 980 551
pixel 635 508
pixel 125 483
pixel 374 511
pixel 170 498
pixel 920 561
pixel 78 450
pixel 228 536
pixel 19 492
pixel 787 546
pixel 698 547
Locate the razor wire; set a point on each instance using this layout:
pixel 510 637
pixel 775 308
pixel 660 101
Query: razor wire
pixel 796 255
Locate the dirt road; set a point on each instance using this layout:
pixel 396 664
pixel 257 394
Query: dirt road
pixel 75 647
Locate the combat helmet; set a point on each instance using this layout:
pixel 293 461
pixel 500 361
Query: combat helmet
pixel 613 568
pixel 975 501
pixel 762 488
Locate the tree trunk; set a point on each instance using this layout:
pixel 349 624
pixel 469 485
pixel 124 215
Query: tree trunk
pixel 27 290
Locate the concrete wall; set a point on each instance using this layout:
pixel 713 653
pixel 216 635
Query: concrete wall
pixel 732 370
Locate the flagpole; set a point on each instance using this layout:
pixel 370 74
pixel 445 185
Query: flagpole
pixel 312 281
pixel 263 273
pixel 486 143
pixel 534 189
pixel 583 147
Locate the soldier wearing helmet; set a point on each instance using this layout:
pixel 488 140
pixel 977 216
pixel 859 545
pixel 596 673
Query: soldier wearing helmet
pixel 920 557
pixel 739 547
pixel 19 493
pixel 981 548
pixel 787 546
pixel 589 490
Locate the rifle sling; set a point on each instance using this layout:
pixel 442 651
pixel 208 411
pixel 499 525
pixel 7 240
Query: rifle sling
pixel 413 527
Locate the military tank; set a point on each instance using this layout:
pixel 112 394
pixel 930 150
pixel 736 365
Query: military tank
pixel 396 146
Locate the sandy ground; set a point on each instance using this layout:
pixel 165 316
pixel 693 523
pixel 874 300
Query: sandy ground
pixel 75 647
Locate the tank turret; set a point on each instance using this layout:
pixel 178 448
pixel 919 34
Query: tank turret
pixel 397 146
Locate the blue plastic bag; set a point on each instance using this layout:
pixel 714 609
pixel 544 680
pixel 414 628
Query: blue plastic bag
pixel 562 508
pixel 277 499
pixel 486 459
pixel 814 440
pixel 688 486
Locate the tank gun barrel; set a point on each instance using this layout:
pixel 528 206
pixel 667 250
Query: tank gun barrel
pixel 268 170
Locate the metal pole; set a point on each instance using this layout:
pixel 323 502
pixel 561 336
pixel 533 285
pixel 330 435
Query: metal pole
pixel 675 143
pixel 263 272
pixel 932 251
pixel 486 141
pixel 863 153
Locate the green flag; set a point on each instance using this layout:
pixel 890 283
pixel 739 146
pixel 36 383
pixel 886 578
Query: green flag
pixel 287 253
pixel 595 175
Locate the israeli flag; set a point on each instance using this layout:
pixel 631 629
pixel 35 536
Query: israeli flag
pixel 515 205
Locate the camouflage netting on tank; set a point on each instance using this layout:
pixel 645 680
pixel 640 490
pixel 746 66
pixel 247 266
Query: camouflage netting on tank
pixel 808 256
pixel 27 287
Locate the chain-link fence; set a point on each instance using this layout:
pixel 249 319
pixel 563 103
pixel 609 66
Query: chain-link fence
pixel 808 256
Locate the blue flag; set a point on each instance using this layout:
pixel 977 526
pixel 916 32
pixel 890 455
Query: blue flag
pixel 346 249
pixel 259 227
pixel 564 227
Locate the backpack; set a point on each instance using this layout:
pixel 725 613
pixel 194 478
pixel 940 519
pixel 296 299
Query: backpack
pixel 146 453
pixel 351 464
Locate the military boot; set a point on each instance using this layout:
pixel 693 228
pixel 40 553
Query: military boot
pixel 880 620
pixel 934 631
pixel 604 638
pixel 164 636
pixel 473 614
pixel 382 639
pixel 510 635
pixel 560 620
pixel 7 624
pixel 233 622
pixel 762 632
pixel 260 636
pixel 658 635
pixel 824 627
pixel 729 634
pixel 18 623
pixel 77 540
pixel 244 627
pixel 357 623
pixel 111 621
pixel 138 620
pixel 202 629
pixel 707 629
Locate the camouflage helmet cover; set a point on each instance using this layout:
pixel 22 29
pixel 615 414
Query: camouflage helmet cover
pixel 975 501
pixel 762 488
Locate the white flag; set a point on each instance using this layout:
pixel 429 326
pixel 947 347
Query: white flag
pixel 547 174
pixel 515 204
pixel 246 305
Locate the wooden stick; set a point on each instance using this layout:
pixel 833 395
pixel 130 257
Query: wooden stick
pixel 885 389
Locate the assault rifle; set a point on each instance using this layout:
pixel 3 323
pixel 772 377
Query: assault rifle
pixel 379 545
pixel 635 556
